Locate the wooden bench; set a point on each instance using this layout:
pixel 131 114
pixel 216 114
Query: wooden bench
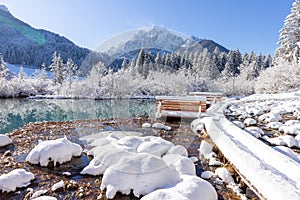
pixel 211 97
pixel 180 107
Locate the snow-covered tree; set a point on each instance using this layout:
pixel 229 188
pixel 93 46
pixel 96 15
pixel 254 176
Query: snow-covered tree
pixel 289 38
pixel 124 64
pixel 3 68
pixel 57 67
pixel 70 71
pixel 280 78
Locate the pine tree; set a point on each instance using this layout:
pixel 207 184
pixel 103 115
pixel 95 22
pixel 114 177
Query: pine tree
pixel 3 68
pixel 70 72
pixel 57 67
pixel 124 64
pixel 267 61
pixel 289 38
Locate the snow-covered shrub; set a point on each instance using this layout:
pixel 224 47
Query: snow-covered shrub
pixel 59 151
pixel 284 76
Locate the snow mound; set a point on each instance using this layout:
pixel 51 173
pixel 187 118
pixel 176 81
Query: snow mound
pixel 137 164
pixel 285 140
pixel 270 117
pixel 207 174
pixel 250 122
pixel 143 173
pixel 191 187
pixel 58 185
pixel 225 175
pixel 205 150
pixel 146 125
pixel 274 125
pixel 254 131
pixel 4 140
pixel 161 126
pixel 15 179
pixel 178 149
pixel 291 129
pixel 182 164
pixel 59 151
pixel 197 126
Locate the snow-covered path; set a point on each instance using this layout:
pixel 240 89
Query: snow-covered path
pixel 274 175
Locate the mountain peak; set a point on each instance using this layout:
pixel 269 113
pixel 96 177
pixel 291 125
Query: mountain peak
pixel 4 8
pixel 145 37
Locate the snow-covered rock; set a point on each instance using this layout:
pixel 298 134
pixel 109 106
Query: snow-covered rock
pixel 292 129
pixel 214 162
pixel 197 126
pixel 58 185
pixel 142 173
pixel 270 117
pixel 225 175
pixel 38 193
pixel 191 187
pixel 250 122
pixel 205 149
pixel 285 140
pixel 146 125
pixel 161 126
pixel 274 125
pixel 254 131
pixel 291 122
pixel 15 179
pixel 207 174
pixel 4 140
pixel 59 151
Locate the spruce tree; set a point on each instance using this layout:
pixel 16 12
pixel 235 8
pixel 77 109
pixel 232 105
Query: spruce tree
pixel 289 38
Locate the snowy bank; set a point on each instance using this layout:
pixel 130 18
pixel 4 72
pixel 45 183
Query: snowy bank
pixel 273 174
pixel 142 165
pixel 15 179
pixel 59 151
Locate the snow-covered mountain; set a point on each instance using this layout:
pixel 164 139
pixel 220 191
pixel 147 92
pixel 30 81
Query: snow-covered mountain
pixel 149 37
pixel 22 44
pixel 155 38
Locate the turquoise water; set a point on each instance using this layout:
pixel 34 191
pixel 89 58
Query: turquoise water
pixel 15 113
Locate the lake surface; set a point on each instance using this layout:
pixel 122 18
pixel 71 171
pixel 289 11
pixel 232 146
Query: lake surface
pixel 15 113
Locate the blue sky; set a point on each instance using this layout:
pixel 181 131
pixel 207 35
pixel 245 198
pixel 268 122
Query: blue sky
pixel 250 25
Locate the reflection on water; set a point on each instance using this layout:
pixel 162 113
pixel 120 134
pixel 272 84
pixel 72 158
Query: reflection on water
pixel 14 113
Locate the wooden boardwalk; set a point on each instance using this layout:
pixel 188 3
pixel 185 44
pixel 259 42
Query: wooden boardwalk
pixel 185 106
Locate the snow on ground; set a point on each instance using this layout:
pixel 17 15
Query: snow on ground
pixel 30 71
pixel 4 140
pixel 15 179
pixel 144 164
pixel 254 159
pixel 59 151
